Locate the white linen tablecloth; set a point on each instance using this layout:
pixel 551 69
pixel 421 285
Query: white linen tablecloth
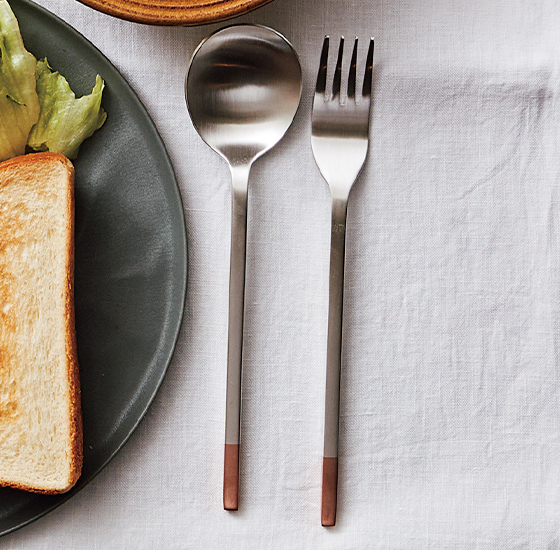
pixel 450 411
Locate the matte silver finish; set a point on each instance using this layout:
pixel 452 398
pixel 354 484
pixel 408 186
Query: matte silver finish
pixel 243 88
pixel 340 134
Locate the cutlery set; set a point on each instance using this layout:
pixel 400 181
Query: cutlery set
pixel 243 88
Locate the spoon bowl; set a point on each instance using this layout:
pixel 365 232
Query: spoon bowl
pixel 243 88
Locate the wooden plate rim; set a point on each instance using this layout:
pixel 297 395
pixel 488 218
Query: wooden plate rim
pixel 175 12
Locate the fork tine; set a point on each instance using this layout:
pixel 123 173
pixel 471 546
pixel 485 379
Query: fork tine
pixel 368 76
pixel 322 75
pixel 352 73
pixel 338 70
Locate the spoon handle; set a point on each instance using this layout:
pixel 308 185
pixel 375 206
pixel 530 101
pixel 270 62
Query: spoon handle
pixel 334 349
pixel 240 177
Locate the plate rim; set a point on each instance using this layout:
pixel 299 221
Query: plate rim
pixel 181 262
pixel 164 13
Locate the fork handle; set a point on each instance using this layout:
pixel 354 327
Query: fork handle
pixel 334 348
pixel 240 177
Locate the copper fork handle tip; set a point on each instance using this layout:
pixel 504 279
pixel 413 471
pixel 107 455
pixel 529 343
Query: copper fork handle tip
pixel 231 477
pixel 329 492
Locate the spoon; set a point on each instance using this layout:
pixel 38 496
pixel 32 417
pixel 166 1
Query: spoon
pixel 243 88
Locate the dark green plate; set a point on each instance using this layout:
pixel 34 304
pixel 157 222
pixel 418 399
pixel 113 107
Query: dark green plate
pixel 130 258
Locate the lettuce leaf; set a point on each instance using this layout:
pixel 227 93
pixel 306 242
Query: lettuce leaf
pixel 19 104
pixel 64 120
pixel 38 110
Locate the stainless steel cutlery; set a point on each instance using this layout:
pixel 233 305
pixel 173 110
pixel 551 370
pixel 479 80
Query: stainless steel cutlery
pixel 339 138
pixel 243 88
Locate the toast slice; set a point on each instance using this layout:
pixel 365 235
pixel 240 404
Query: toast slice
pixel 40 412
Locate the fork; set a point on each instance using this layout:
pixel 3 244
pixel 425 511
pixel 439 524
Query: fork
pixel 339 139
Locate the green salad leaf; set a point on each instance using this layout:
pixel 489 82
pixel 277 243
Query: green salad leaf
pixel 38 110
pixel 19 104
pixel 64 120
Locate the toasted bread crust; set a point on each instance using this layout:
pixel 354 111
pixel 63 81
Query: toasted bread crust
pixel 27 163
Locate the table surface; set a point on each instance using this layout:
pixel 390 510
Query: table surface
pixel 450 393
